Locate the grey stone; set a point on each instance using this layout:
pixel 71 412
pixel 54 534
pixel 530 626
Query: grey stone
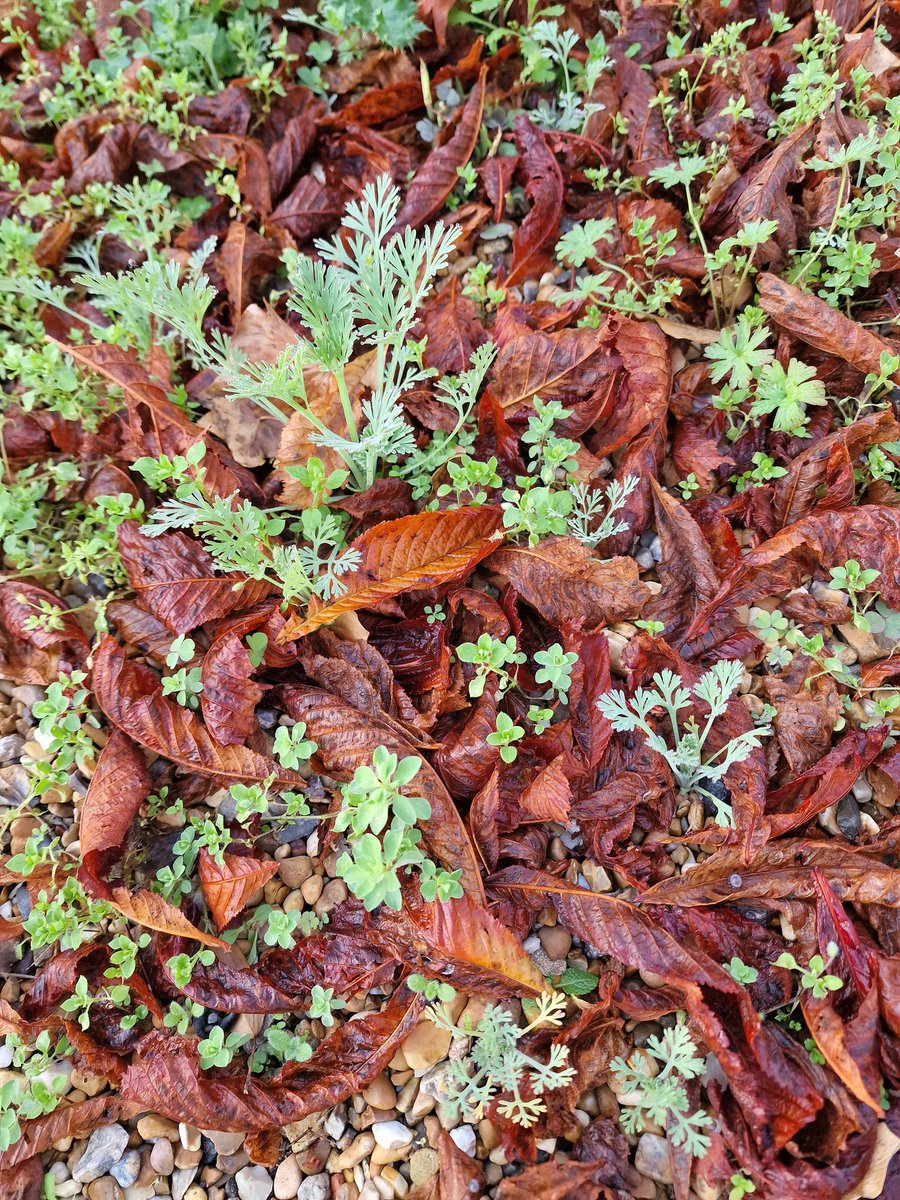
pixel 182 1178
pixel 105 1147
pixel 314 1187
pixel 125 1172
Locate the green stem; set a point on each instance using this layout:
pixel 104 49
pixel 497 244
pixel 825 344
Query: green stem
pixel 345 404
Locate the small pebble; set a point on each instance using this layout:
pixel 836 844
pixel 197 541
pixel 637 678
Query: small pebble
pixel 314 1187
pixel 652 1158
pixel 392 1135
pixel 464 1136
pixel 126 1170
pixel 105 1147
pixel 254 1183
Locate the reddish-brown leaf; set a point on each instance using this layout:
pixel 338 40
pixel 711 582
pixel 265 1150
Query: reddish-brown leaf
pixel 782 870
pixel 457 940
pixel 346 738
pixel 228 885
pixel 67 1121
pixel 548 796
pixel 766 198
pixel 157 426
pixel 544 188
pixel 552 1181
pixel 686 570
pixel 457 1176
pixel 229 697
pixel 175 579
pixel 796 492
pixel 758 1063
pixel 562 579
pixel 24 1182
pixel 453 330
pixel 131 697
pixel 165 1076
pixel 438 176
pixel 569 365
pixel 823 539
pixel 118 787
pixel 36 655
pixel 426 550
pixel 818 324
pixel 244 259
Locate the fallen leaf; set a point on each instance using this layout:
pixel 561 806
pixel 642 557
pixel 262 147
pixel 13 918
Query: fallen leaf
pixel 411 553
pixel 561 578
pixel 131 698
pixel 229 884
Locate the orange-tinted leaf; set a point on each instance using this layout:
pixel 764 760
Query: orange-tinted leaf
pixel 548 796
pixel 131 697
pixel 228 885
pixel 456 940
pixel 562 579
pixel 411 553
pixel 346 738
pixel 154 912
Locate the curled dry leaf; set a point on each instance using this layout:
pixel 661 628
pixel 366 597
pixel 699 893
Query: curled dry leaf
pixel 119 785
pixel 766 196
pixel 438 174
pixel 782 871
pixel 423 551
pixel 229 697
pixel 568 366
pixel 251 434
pixel 131 698
pixel 36 655
pixel 549 794
pixel 455 940
pixel 796 493
pixel 175 580
pixel 562 579
pixel 346 739
pixel 544 189
pixel 870 534
pixel 164 1075
pixel 157 426
pixel 818 324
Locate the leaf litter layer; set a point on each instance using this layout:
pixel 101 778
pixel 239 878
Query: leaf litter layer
pixel 449 621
